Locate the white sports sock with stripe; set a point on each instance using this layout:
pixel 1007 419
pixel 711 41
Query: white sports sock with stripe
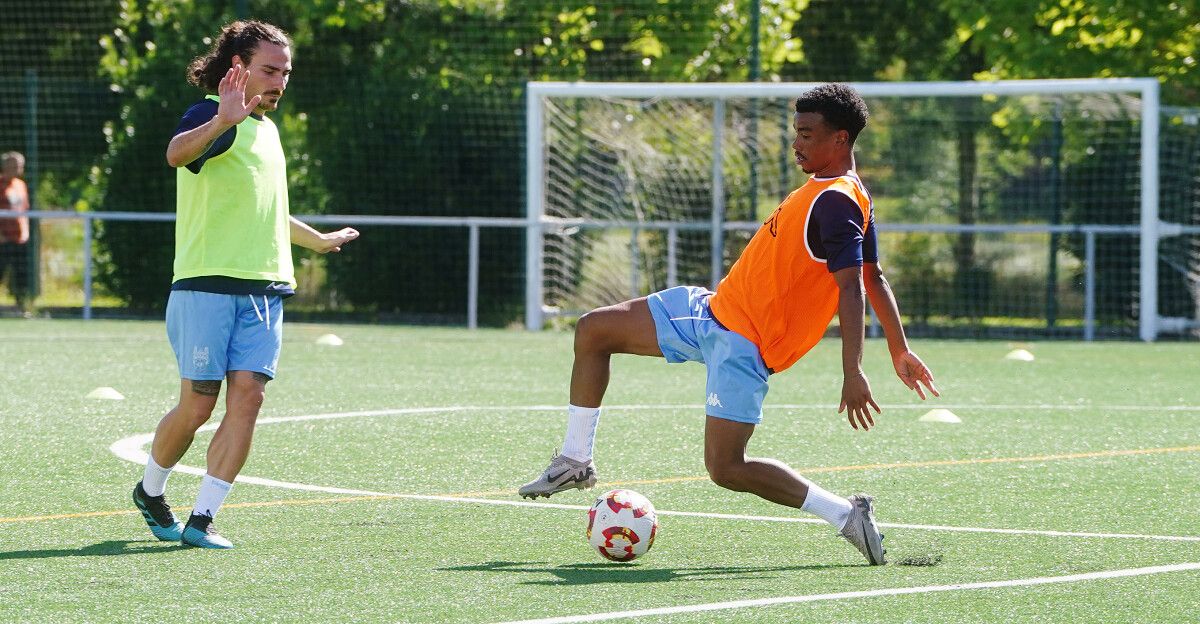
pixel 829 507
pixel 154 479
pixel 580 440
pixel 212 494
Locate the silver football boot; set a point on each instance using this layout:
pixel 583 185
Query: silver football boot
pixel 861 531
pixel 563 473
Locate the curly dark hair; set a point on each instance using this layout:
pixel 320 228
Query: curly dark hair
pixel 840 105
pixel 238 38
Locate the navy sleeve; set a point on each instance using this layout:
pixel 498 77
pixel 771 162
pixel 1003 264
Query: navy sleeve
pixel 840 223
pixel 871 242
pixel 199 114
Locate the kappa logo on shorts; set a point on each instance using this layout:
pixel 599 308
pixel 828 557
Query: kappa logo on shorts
pixel 200 358
pixel 714 400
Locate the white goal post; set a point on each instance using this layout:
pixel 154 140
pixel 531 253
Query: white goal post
pixel 1149 229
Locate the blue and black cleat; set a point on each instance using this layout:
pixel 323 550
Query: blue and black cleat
pixel 163 524
pixel 201 533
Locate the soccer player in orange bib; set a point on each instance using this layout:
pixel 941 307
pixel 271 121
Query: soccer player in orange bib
pixel 813 257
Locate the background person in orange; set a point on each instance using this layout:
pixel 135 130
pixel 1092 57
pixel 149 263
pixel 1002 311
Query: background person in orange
pixel 14 231
pixel 805 263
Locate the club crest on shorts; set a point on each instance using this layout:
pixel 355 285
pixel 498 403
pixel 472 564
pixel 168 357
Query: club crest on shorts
pixel 200 358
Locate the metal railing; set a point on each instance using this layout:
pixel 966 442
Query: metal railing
pixel 473 224
pixel 671 229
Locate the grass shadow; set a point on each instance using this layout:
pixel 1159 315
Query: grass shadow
pixel 102 549
pixel 597 573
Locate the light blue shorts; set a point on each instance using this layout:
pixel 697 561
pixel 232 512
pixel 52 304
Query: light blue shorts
pixel 737 375
pixel 213 333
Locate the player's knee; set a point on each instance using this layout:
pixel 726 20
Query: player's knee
pixel 196 404
pixel 247 394
pixel 725 474
pixel 589 333
pixel 196 412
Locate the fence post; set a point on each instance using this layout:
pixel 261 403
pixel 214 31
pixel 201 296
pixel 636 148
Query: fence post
pixel 473 277
pixel 672 261
pixel 635 260
pixel 1148 273
pixel 1089 285
pixel 32 168
pixel 88 228
pixel 1056 208
pixel 534 208
pixel 718 192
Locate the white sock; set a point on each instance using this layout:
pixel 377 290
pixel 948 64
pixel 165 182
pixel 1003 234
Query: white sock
pixel 581 432
pixel 829 507
pixel 154 479
pixel 212 494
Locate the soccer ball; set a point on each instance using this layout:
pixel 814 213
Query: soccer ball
pixel 621 525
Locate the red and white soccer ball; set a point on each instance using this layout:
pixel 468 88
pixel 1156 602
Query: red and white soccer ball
pixel 621 525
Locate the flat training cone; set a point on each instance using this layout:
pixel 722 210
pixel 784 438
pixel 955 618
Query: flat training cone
pixel 106 393
pixel 329 340
pixel 940 415
pixel 1019 355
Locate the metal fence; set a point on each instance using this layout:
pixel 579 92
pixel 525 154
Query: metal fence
pixel 1090 233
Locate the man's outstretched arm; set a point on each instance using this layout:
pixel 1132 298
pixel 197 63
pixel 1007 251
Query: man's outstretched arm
pixel 909 368
pixel 305 236
pixel 856 391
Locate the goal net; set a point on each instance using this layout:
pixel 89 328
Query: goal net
pixel 1005 208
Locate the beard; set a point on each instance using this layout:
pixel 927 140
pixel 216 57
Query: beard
pixel 270 101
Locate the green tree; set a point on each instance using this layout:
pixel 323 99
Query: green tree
pixel 54 42
pixel 421 112
pixel 966 39
pixel 145 58
pixel 1100 38
pixel 1085 39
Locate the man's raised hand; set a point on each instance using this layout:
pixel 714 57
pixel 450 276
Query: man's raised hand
pixel 234 108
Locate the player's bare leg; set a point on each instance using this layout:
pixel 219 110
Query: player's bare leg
pixel 729 467
pixel 626 327
pixel 230 445
pixel 177 429
pixel 172 438
pixel 725 458
pixel 227 454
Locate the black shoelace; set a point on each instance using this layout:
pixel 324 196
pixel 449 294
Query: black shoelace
pixel 203 523
pixel 158 507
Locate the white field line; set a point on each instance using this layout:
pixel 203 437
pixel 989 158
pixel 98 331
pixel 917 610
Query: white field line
pixel 698 406
pixel 897 591
pixel 131 449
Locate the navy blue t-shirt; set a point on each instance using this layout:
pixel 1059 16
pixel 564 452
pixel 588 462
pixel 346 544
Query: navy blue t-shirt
pixel 836 233
pixel 199 114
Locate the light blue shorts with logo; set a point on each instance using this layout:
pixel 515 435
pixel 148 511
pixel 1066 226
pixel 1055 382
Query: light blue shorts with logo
pixel 213 333
pixel 687 332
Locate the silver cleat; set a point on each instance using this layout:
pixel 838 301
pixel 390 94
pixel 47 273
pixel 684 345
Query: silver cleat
pixel 861 531
pixel 563 473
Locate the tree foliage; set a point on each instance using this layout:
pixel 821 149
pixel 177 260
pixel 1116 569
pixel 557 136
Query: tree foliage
pixel 1084 39
pixel 417 107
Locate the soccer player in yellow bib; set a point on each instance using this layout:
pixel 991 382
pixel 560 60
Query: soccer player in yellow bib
pixel 233 268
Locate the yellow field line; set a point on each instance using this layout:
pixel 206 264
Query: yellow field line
pixel 920 464
pixel 818 469
pixel 274 503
